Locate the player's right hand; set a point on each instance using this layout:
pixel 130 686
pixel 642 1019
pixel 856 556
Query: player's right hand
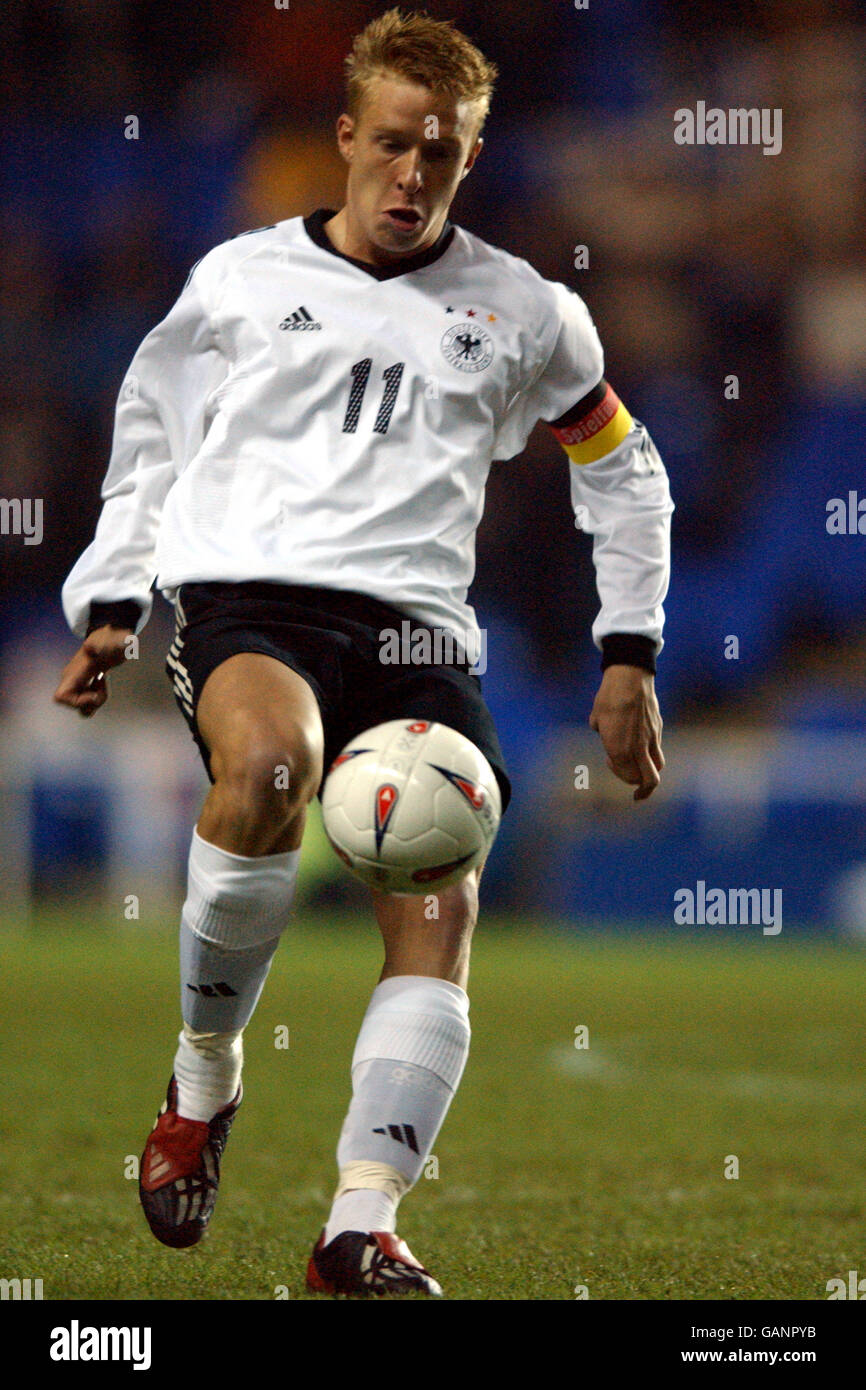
pixel 83 685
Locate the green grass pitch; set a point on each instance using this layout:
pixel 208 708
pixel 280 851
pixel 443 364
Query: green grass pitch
pixel 559 1168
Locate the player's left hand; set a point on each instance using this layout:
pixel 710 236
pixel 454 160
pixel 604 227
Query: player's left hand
pixel 626 716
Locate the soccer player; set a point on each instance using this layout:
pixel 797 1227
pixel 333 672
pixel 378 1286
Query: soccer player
pixel 299 462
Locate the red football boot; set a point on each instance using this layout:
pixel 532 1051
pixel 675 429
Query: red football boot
pixel 180 1171
pixel 367 1262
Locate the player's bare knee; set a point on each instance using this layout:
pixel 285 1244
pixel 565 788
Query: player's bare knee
pixel 454 908
pixel 268 780
pixel 459 903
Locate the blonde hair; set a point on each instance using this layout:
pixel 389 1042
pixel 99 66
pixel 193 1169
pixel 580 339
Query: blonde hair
pixel 431 52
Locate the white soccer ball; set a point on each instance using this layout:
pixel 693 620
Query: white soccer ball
pixel 411 806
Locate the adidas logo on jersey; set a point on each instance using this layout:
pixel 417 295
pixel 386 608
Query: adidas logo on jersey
pixel 301 319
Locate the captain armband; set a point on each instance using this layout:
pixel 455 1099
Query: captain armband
pixel 594 426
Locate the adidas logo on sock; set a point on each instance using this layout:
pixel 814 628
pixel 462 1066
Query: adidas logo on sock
pixel 211 991
pixel 301 319
pixel 404 1134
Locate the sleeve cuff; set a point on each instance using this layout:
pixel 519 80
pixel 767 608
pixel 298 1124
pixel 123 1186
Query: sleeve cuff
pixel 126 614
pixel 629 649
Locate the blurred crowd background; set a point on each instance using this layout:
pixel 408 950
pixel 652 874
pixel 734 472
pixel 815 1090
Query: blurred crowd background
pixel 704 263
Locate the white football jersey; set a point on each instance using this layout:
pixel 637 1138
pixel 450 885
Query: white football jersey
pixel 302 418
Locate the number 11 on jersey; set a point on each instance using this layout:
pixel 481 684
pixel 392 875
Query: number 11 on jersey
pixel 360 376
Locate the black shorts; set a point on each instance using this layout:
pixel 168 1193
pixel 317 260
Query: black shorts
pixel 333 640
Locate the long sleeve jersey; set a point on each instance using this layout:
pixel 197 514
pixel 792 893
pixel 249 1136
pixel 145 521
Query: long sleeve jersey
pixel 303 417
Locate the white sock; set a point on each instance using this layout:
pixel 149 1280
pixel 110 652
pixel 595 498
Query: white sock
pixel 235 910
pixel 407 1064
pixel 364 1209
pixel 207 1069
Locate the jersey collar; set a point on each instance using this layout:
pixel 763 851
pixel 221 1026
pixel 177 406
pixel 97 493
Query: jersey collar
pixel 314 226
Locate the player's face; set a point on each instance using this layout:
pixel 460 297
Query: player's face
pixel 407 151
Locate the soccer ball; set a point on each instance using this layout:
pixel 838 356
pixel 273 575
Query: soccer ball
pixel 411 806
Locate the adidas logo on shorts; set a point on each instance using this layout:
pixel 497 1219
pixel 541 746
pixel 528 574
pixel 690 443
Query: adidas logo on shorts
pixel 181 682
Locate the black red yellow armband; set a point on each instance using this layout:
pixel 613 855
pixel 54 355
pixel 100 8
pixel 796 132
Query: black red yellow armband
pixel 593 427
